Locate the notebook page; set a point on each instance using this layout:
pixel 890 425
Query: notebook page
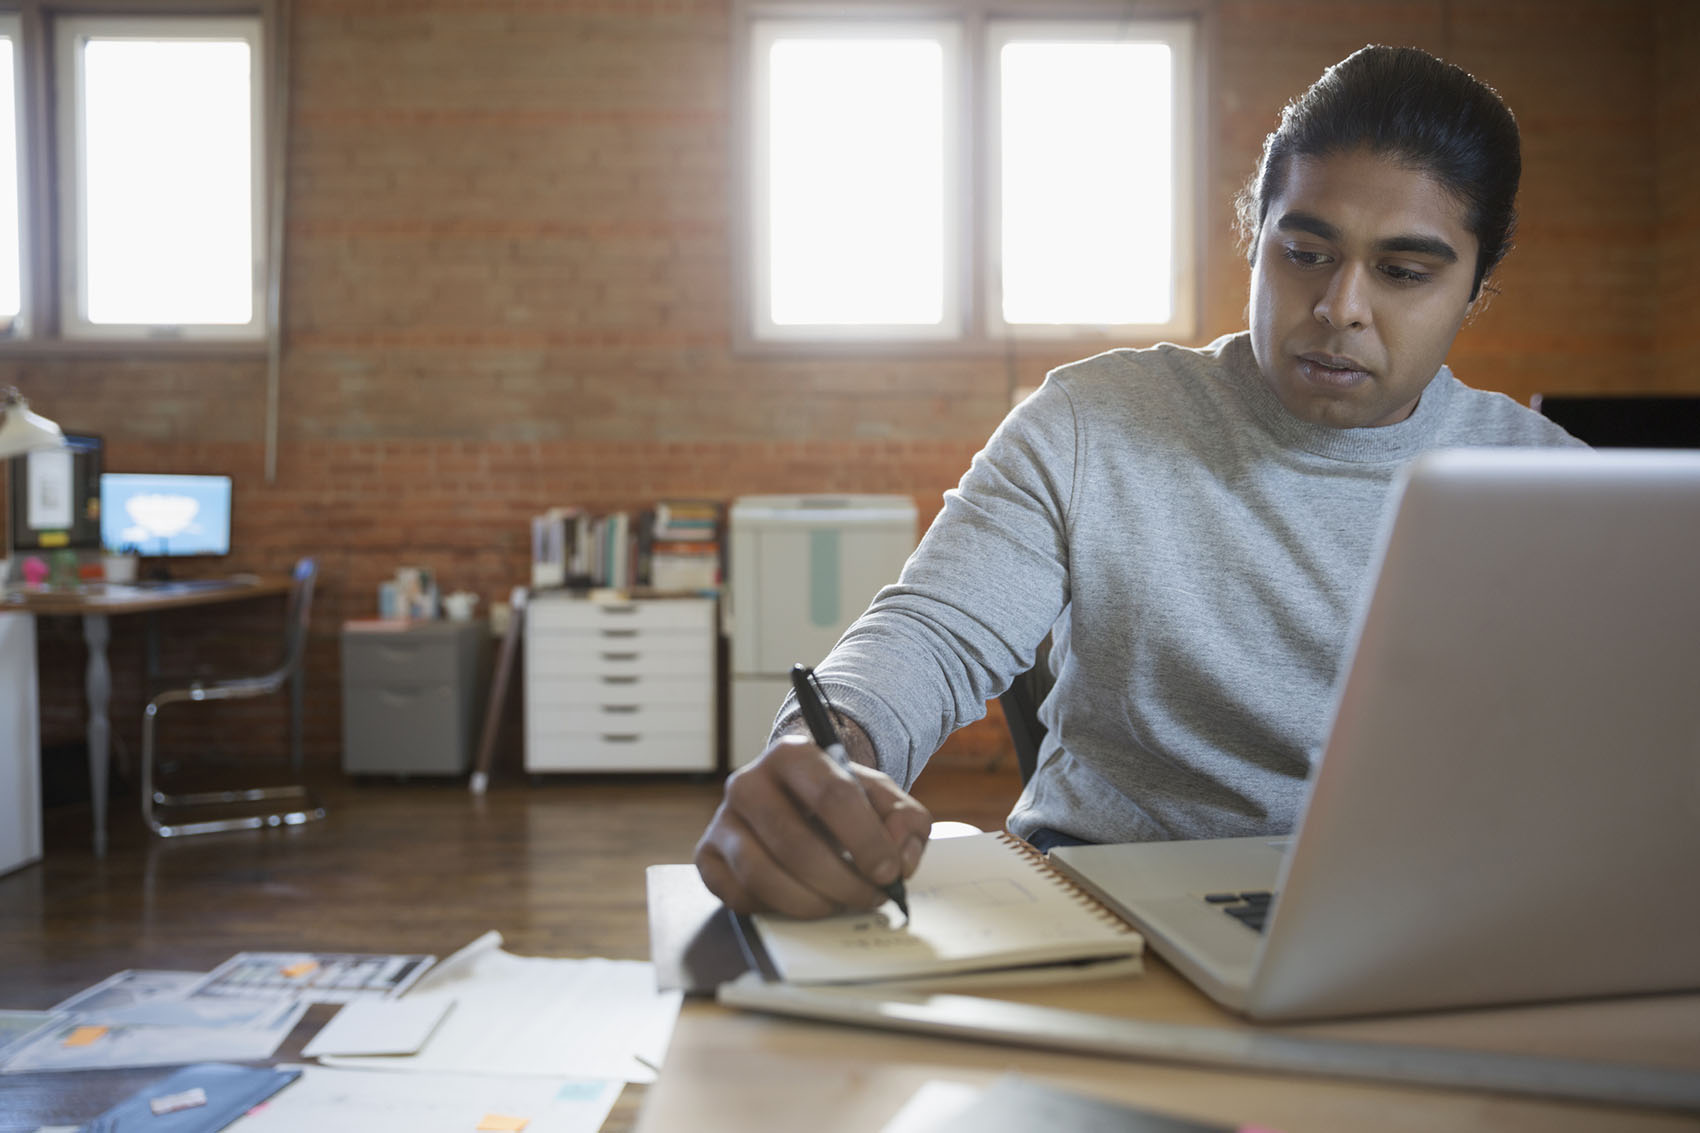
pixel 979 902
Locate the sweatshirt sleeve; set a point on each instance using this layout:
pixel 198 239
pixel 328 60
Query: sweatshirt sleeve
pixel 974 601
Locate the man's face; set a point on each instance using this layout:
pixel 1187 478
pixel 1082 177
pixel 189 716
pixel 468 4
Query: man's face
pixel 1363 276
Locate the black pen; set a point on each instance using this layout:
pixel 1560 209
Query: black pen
pixel 810 700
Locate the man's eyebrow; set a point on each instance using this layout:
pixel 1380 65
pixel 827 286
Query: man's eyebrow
pixel 1421 245
pixel 1432 246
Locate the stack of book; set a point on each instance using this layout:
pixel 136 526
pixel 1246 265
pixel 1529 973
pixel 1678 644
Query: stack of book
pixel 675 546
pixel 685 545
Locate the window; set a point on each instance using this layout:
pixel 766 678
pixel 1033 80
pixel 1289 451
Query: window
pixel 12 252
pixel 161 177
pixel 147 190
pixel 968 181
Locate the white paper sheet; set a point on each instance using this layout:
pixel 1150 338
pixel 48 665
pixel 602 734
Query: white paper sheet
pixel 49 505
pixel 589 1018
pixel 928 1108
pixel 354 1101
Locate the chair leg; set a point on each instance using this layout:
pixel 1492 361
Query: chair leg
pixel 309 812
pixel 201 798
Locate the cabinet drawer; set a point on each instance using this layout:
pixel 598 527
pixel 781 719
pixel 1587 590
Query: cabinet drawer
pixel 652 692
pixel 546 614
pixel 370 658
pixel 615 750
pixel 616 718
pixel 617 660
pixel 424 729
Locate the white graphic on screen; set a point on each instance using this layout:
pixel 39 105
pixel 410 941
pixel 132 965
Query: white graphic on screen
pixel 158 515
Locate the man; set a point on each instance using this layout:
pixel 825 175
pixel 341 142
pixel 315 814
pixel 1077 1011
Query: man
pixel 1193 527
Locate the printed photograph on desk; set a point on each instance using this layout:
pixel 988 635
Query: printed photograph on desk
pixel 19 1028
pixel 313 977
pixel 166 999
pixel 983 904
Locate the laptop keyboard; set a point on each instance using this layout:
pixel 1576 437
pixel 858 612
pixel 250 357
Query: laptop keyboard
pixel 1250 908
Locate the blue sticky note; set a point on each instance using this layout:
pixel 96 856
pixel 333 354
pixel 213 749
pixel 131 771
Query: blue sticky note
pixel 580 1089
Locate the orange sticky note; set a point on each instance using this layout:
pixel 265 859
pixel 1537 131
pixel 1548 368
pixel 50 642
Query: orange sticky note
pixel 296 971
pixel 495 1122
pixel 83 1036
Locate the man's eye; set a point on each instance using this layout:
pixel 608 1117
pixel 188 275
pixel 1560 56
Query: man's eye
pixel 1405 275
pixel 1303 257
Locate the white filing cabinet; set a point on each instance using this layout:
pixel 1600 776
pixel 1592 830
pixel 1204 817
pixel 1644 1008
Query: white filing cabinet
pixel 620 685
pixel 20 745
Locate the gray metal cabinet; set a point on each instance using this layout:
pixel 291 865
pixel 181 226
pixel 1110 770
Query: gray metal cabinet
pixel 410 698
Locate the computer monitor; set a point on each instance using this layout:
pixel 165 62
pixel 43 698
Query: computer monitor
pixel 161 514
pixel 1625 420
pixel 55 497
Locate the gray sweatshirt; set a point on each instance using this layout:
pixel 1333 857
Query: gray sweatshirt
pixel 1197 553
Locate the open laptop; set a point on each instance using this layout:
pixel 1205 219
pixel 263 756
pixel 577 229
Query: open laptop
pixel 1508 804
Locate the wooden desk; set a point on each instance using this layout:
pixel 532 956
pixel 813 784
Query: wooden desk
pixel 745 1073
pixel 98 602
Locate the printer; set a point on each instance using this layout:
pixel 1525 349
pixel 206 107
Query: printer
pixel 801 569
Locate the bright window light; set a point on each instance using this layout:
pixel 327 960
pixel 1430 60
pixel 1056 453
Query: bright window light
pixel 856 182
pixel 11 256
pixel 969 175
pixel 1086 183
pixel 168 166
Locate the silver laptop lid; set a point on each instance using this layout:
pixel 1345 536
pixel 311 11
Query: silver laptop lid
pixel 1508 807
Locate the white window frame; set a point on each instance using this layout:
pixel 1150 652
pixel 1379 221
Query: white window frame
pixel 1177 35
pixel 975 277
pixel 70 34
pixel 11 27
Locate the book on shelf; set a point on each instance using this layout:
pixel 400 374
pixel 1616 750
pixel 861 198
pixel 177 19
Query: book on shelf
pixel 687 521
pixel 981 905
pixel 675 545
pixel 684 566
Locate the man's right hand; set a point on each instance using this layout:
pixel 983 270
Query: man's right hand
pixel 799 835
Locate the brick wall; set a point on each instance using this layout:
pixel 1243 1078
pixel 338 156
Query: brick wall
pixel 508 263
pixel 1676 306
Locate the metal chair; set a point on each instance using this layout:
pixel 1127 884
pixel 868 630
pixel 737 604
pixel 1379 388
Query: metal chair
pixel 237 688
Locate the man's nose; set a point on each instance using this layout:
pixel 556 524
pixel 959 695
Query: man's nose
pixel 1344 302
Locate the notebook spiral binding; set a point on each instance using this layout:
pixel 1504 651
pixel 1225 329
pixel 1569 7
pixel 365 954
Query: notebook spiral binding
pixel 1094 906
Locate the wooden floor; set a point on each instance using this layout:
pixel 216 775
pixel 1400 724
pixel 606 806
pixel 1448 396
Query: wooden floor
pixel 556 866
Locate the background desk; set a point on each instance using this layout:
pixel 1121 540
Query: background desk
pixel 734 1072
pixel 100 601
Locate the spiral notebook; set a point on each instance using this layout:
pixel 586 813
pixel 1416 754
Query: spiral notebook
pixel 985 903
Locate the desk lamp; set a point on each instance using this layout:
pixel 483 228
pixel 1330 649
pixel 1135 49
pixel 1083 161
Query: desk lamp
pixel 23 431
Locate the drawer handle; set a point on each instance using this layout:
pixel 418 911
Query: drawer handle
pixel 619 680
pixel 621 709
pixel 620 737
pixel 619 633
pixel 618 609
pixel 628 656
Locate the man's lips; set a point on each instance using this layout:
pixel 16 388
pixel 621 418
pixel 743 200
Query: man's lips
pixel 1332 369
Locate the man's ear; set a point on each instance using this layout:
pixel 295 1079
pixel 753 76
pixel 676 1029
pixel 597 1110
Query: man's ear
pixel 1484 295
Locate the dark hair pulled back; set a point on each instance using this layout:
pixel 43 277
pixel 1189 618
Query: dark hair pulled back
pixel 1403 103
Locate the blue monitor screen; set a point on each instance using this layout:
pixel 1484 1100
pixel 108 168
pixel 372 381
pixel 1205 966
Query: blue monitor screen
pixel 164 514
